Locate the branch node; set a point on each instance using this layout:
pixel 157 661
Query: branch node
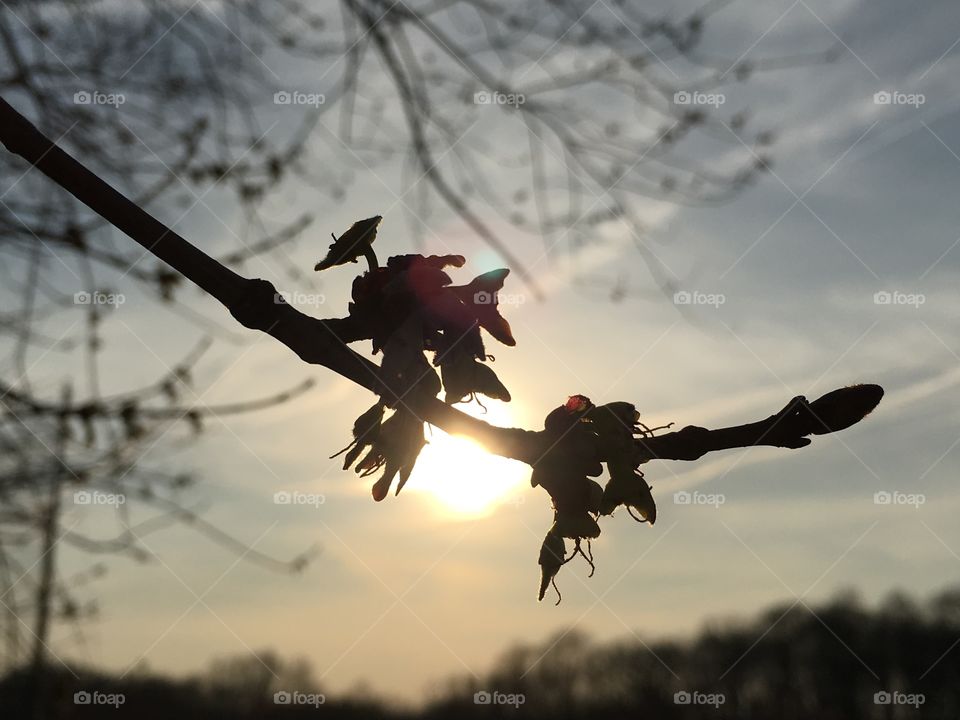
pixel 257 305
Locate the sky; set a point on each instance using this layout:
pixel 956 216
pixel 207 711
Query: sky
pixel 438 582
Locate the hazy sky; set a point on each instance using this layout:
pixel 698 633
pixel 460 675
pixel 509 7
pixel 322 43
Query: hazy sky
pixel 408 592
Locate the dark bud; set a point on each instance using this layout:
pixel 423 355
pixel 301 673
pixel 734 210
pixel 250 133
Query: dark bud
pixel 842 408
pixel 627 487
pixel 463 376
pixel 562 418
pixel 553 551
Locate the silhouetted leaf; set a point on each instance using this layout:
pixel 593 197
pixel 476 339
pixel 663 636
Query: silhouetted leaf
pixel 366 428
pixel 481 296
pixel 463 376
pixel 397 447
pixel 626 486
pixel 352 244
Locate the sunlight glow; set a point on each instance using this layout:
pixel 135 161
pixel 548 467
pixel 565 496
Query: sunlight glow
pixel 462 478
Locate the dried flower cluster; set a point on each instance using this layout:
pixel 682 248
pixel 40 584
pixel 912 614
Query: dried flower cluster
pixel 409 308
pixel 583 437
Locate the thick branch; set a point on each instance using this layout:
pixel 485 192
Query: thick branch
pixel 788 428
pixel 256 305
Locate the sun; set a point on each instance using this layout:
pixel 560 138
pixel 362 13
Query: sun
pixel 462 478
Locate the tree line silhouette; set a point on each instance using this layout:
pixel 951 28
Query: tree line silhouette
pixel 838 659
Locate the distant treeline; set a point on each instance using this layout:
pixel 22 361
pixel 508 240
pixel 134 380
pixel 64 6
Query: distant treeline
pixel 835 660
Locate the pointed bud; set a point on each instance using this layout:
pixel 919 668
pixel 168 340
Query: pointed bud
pixel 553 552
pixel 842 408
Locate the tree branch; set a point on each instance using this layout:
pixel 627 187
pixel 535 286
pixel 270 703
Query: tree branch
pixel 257 305
pixel 254 303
